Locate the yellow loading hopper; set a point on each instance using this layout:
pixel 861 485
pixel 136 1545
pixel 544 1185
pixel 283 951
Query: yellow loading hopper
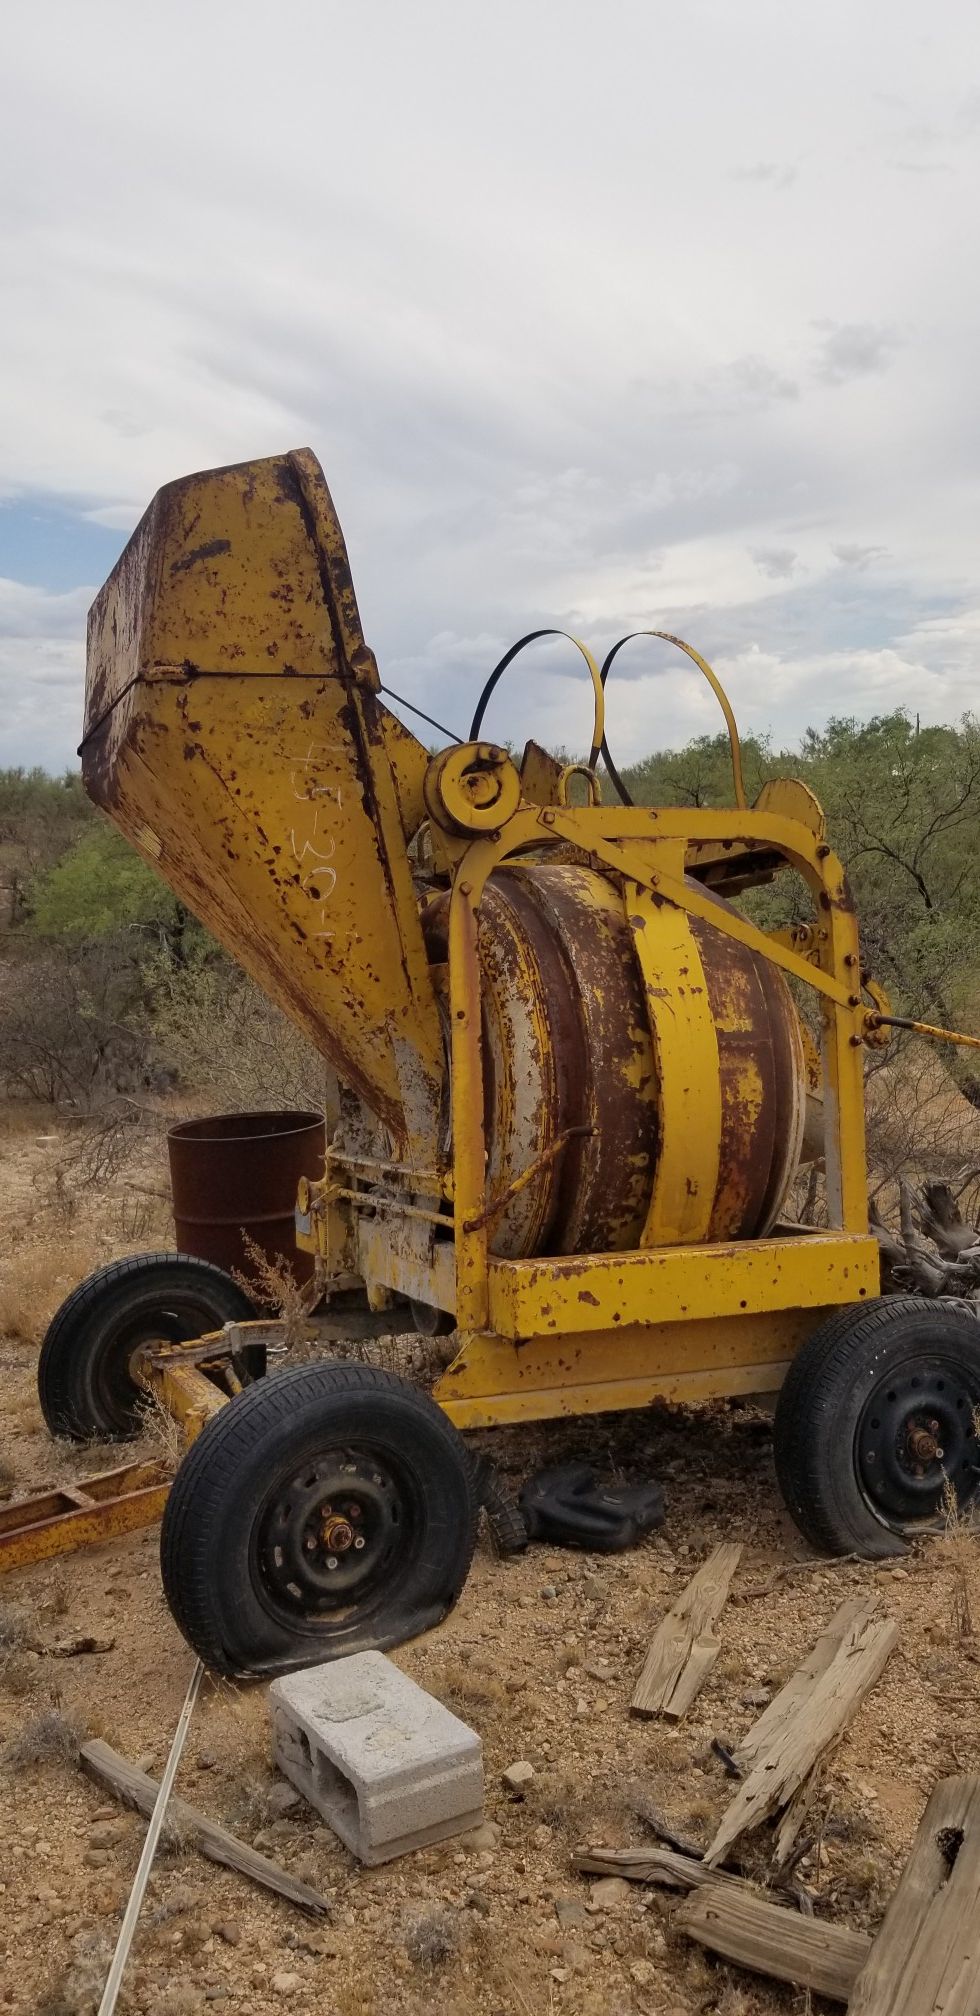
pixel 233 731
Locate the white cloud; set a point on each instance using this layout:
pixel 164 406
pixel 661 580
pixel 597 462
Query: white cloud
pixel 42 660
pixel 777 174
pixel 852 554
pixel 560 363
pixel 778 563
pixel 854 350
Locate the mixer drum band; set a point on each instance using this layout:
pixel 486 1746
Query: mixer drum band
pixel 569 1041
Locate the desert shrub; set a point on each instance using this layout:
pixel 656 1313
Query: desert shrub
pixel 223 1036
pixel 74 1028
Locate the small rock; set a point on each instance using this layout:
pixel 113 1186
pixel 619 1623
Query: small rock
pixel 549 1593
pixel 560 1974
pixel 181 1898
pixel 610 1892
pixel 107 1832
pixel 179 1999
pixel 756 1697
pixel 228 1931
pixel 286 1984
pixel 577 1957
pixel 644 1973
pixel 479 1901
pixel 517 1777
pixel 96 1858
pixel 570 1913
pixel 486 1836
pixel 593 1586
pixel 282 1799
pixel 206 1760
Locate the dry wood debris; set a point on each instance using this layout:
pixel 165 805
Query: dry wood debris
pixel 938 1253
pixel 927 1953
pixel 654 1865
pixel 800 1724
pixel 769 1939
pixel 136 1788
pixel 685 1645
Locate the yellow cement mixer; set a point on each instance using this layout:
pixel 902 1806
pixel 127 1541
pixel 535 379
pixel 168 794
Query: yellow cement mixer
pixel 573 1088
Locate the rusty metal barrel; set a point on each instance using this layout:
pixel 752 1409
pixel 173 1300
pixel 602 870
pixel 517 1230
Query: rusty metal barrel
pixel 234 1176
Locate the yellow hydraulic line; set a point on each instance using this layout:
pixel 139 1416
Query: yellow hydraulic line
pixel 924 1029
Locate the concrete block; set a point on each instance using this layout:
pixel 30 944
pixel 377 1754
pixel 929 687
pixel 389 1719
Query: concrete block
pixel 388 1767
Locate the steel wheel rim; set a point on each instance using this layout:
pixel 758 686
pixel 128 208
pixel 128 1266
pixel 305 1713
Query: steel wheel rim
pixel 916 1441
pixel 112 1381
pixel 330 1535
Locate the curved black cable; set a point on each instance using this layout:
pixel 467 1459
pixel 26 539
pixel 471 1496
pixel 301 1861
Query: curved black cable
pixel 410 704
pixel 611 770
pixel 498 673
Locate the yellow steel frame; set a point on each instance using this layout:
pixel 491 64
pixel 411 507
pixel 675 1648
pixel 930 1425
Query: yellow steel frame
pixel 548 1337
pixel 679 1318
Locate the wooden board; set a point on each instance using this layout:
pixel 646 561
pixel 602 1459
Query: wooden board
pixel 685 1645
pixel 654 1865
pixel 806 1717
pixel 137 1788
pixel 926 1957
pixel 771 1940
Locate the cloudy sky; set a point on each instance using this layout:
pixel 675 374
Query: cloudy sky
pixel 609 316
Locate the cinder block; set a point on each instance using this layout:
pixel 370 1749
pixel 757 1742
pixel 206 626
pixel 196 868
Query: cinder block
pixel 388 1767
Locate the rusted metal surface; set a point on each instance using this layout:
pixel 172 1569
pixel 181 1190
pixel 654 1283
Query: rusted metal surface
pixel 493 1379
pixel 79 1515
pixel 234 733
pixel 762 1078
pixel 234 1177
pixel 538 1298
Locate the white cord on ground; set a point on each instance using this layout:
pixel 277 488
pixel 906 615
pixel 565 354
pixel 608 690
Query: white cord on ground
pixel 153 1832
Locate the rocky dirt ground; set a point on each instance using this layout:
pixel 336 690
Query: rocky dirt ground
pixel 540 1657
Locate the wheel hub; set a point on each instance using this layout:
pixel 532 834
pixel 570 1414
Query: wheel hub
pixel 916 1434
pixel 330 1532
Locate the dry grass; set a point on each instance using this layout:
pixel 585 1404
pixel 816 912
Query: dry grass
pixel 36 1282
pixel 433 1938
pixel 272 1284
pixel 78 1991
pixel 958 1549
pixel 15 1630
pixel 469 1689
pixel 162 1432
pixel 50 1737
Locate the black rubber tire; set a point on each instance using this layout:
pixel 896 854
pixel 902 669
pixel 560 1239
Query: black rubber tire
pixel 83 1378
pixel 504 1516
pixel 856 1361
pixel 240 1472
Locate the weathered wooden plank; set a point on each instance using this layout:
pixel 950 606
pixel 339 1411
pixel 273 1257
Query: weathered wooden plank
pixel 820 1700
pixel 137 1788
pixel 926 1957
pixel 770 1940
pixel 685 1646
pixel 788 1701
pixel 654 1865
